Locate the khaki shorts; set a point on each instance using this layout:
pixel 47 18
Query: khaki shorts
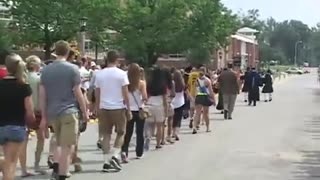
pixel 157 114
pixel 66 129
pixel 112 118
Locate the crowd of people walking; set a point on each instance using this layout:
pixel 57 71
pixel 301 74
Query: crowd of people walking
pixel 60 98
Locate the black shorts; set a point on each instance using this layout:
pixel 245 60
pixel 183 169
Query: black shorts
pixel 203 100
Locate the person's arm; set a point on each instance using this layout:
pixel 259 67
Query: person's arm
pixel 81 100
pixel 143 90
pixel 79 95
pixel 28 105
pixel 125 94
pixel 209 84
pixel 125 91
pixel 97 93
pixel 43 106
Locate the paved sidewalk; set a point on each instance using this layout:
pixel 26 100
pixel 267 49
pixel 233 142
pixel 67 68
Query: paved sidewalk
pixel 267 142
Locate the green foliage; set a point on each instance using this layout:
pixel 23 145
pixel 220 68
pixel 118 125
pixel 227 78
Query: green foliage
pixel 5 36
pixel 45 21
pixel 278 39
pixel 198 56
pixel 149 28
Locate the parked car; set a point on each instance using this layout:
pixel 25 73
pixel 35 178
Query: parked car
pixel 294 70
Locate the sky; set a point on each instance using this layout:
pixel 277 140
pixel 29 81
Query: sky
pixel 307 11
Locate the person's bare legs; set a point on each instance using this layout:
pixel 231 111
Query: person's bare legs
pixel 65 159
pixel 52 150
pixel 11 154
pixel 75 159
pixel 23 159
pixel 205 116
pixel 197 116
pixel 106 147
pixel 169 129
pixel 159 133
pixel 100 134
pixel 39 150
pixel 1 158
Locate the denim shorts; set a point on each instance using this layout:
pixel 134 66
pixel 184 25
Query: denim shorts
pixel 10 133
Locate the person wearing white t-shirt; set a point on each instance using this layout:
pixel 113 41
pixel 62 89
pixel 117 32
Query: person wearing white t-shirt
pixel 85 77
pixel 112 99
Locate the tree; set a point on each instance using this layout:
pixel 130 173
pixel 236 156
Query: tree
pixel 286 34
pixel 148 28
pixel 315 46
pixel 46 21
pixel 209 27
pixel 5 36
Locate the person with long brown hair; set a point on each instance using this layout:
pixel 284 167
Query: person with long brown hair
pixel 137 98
pixel 16 112
pixel 178 103
pixel 157 91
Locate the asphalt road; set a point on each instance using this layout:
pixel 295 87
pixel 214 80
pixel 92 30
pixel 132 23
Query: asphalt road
pixel 273 141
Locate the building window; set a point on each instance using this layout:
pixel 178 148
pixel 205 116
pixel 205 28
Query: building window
pixel 4 14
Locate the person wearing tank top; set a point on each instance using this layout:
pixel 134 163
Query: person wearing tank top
pixel 137 99
pixel 178 103
pixel 204 99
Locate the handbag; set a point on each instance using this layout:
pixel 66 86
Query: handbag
pixel 144 113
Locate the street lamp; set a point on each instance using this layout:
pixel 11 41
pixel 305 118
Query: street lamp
pixel 295 51
pixel 83 25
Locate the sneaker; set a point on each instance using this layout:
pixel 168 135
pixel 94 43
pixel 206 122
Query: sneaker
pixel 114 162
pixel 108 168
pixel 139 157
pixel 169 140
pixel 69 175
pixel 124 158
pixel 194 131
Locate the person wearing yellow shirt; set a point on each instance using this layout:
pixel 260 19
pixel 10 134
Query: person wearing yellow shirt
pixel 192 88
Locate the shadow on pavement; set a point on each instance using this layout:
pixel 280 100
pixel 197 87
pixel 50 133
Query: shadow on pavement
pixel 309 167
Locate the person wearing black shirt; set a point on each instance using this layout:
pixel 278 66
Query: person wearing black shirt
pixel 16 112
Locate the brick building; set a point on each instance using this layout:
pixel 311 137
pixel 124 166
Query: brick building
pixel 243 50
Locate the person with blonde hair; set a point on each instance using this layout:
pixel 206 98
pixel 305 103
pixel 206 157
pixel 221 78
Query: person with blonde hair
pixel 33 79
pixel 16 112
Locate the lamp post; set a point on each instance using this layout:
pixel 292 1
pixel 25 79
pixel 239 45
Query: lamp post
pixel 296 51
pixel 83 25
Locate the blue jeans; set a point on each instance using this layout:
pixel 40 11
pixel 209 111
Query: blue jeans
pixel 10 133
